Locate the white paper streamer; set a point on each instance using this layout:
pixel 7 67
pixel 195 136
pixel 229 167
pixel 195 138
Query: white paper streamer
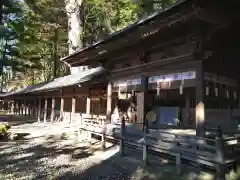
pixel 235 95
pixel 181 86
pixel 216 91
pixel 207 91
pixel 227 94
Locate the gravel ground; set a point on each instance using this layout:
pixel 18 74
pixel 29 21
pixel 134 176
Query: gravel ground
pixel 44 153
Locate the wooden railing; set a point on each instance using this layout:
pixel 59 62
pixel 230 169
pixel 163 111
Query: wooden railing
pixel 216 152
pixel 93 119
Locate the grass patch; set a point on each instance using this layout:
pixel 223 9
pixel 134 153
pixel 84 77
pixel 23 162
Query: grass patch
pixel 3 112
pixel 4 128
pixel 64 136
pixel 234 175
pixel 4 131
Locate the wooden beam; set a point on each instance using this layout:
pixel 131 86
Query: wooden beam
pixel 152 68
pixel 136 39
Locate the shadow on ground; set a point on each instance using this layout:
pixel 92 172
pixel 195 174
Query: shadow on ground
pixel 17 120
pixel 36 161
pixel 55 157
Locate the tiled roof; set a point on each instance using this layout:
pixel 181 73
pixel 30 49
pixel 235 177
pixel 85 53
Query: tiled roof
pixel 25 90
pixel 64 81
pixel 72 79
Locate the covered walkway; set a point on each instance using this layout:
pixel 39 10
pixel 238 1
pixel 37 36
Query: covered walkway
pixel 61 100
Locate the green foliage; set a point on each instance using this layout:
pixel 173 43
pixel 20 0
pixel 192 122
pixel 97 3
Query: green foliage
pixel 10 14
pixel 4 128
pixel 40 42
pixel 234 175
pixel 39 32
pixel 146 7
pixel 102 17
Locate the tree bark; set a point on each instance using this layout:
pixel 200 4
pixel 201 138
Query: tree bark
pixel 54 54
pixel 75 27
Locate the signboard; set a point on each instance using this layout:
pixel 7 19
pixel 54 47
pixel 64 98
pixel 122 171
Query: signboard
pixel 176 77
pixel 173 77
pixel 130 82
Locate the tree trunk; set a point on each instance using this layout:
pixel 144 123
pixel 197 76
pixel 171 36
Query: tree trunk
pixel 75 27
pixel 54 54
pixel 33 77
pixel 0 14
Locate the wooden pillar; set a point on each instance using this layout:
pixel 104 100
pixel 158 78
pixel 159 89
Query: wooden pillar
pixel 9 107
pixel 22 106
pixel 39 109
pixel 142 102
pixel 25 107
pixel 30 105
pixel 34 108
pixel 200 93
pixel 62 108
pixel 73 109
pixel 15 107
pixel 221 167
pixel 88 106
pixel 12 107
pixel 109 102
pixel 238 96
pixel 145 147
pixel 122 134
pixel 18 107
pixel 53 110
pixel 188 107
pixel 45 110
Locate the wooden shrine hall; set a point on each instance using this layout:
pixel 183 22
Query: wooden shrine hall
pixel 176 69
pixel 177 66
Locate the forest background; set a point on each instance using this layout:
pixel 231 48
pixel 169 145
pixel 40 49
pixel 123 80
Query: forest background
pixel 35 34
